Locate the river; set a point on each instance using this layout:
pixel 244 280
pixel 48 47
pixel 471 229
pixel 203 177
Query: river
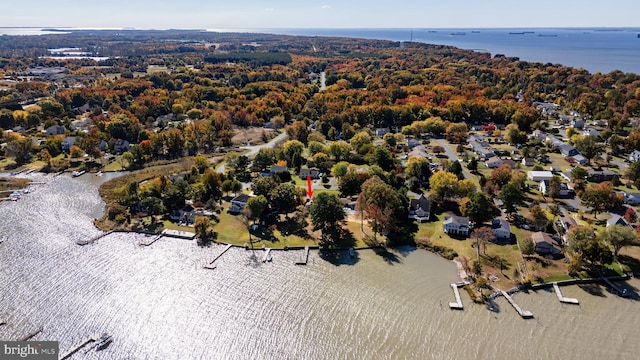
pixel 159 303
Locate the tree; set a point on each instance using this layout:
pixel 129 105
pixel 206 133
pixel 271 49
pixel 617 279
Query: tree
pixel 618 236
pixel 513 135
pixel 204 232
pixel 444 184
pixel 351 183
pixel 340 169
pixel 588 146
pixel 478 208
pixel 255 207
pixel 326 213
pixel 630 215
pixel 437 149
pixel 263 159
pixel 263 185
pixel 153 205
pixel 511 195
pixel 339 150
pixel 419 167
pixel 538 217
pixel 482 235
pixel 554 186
pixel 381 204
pixel 633 173
pixel 383 158
pixel 588 248
pixel 601 197
pixel 456 168
pixel 473 165
pixel 359 140
pixel 527 246
pixel 20 149
pixel 284 198
pixel 201 163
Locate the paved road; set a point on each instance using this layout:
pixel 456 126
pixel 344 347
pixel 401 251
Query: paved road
pixel 454 157
pixel 252 150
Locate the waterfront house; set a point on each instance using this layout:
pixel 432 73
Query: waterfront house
pixel 120 146
pixel 544 244
pixel 539 175
pixel 313 173
pixel 185 215
pixel 456 225
pixel 493 162
pixel 277 169
pixel 67 143
pixel 601 175
pixel 238 203
pixel 420 209
pixel 634 156
pixel 528 161
pixel 501 229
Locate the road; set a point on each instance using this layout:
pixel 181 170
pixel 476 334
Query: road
pixel 252 150
pixel 454 157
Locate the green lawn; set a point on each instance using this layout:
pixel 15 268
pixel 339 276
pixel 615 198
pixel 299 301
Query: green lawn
pixel 113 166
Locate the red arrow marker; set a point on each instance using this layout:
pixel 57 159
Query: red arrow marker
pixel 309 189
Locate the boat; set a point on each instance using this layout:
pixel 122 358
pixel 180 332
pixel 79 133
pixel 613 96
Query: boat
pixel 99 173
pixel 352 253
pixel 78 173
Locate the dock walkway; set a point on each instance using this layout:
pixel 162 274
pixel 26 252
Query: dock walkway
pixel 563 299
pixel 525 314
pixel 457 305
pixel 79 346
pixel 210 265
pixel 305 257
pixel 621 291
pixel 148 241
pixel 94 239
pixel 31 334
pixel 267 255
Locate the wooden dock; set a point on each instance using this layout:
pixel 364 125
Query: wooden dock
pixel 457 305
pixel 621 291
pixel 31 334
pixel 178 234
pixel 305 257
pixel 525 314
pixel 267 255
pixel 79 346
pixel 563 299
pixel 87 242
pixel 147 241
pixel 210 265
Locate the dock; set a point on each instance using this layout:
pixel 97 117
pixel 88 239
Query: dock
pixel 563 299
pixel 621 291
pixel 31 334
pixel 210 265
pixel 305 257
pixel 457 305
pixel 79 346
pixel 147 241
pixel 267 256
pixel 178 234
pixel 525 314
pixel 2 322
pixel 94 239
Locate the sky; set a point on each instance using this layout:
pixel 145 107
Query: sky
pixel 256 14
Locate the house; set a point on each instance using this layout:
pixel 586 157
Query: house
pixel 591 132
pixel 539 175
pixel 564 190
pixel 120 146
pixel 501 229
pixel 512 164
pixel 568 150
pixel 456 225
pixel 577 123
pixel 543 187
pixel 420 209
pixel 348 203
pixel 493 162
pixel 600 176
pixel 238 203
pixel 186 214
pixel 67 143
pixel 567 222
pixel 634 156
pixel 103 146
pixel 412 142
pixel 277 169
pixel 313 173
pixel 580 159
pixel 528 161
pixel 418 151
pixel 380 132
pixel 55 130
pixel 544 244
pixel 539 135
pixel 631 199
pixel 486 153
pixel 617 220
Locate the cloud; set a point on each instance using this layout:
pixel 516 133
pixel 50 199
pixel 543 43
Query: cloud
pixel 326 6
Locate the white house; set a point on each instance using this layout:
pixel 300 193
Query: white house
pixel 634 156
pixel 591 132
pixel 501 229
pixel 544 244
pixel 493 162
pixel 420 209
pixel 456 225
pixel 617 220
pixel 539 175
pixel 564 190
pixel 238 203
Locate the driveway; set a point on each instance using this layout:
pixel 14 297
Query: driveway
pixel 252 150
pixel 454 157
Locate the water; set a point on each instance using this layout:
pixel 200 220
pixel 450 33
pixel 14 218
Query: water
pixel 158 303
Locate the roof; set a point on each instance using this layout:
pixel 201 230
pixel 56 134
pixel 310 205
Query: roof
pixel 243 198
pixel 453 219
pixel 495 159
pixel 501 223
pixel 279 169
pixel 420 203
pixel 533 173
pixel 617 219
pixel 540 237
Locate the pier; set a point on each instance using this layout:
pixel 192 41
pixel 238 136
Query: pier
pixel 305 257
pixel 147 241
pixel 525 314
pixel 563 299
pixel 187 235
pixel 267 256
pixel 620 290
pixel 31 334
pixel 87 242
pixel 79 346
pixel 457 305
pixel 210 265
